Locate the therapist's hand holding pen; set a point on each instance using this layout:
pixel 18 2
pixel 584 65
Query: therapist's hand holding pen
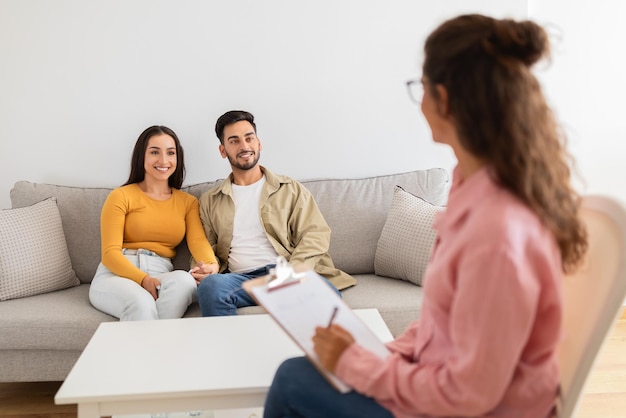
pixel 330 342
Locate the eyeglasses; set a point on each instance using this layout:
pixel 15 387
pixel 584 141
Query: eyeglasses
pixel 415 89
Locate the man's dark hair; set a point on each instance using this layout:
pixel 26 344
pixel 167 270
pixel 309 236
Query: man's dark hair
pixel 231 117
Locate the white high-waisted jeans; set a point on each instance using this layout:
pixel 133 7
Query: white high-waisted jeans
pixel 125 299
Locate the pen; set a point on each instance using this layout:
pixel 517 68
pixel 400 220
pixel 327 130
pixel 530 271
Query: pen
pixel 332 317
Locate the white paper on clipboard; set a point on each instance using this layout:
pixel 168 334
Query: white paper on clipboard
pixel 308 302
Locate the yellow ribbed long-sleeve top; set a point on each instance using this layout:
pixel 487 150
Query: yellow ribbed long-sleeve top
pixel 131 219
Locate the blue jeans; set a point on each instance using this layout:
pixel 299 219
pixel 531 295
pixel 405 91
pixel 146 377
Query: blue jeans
pixel 299 390
pixel 221 294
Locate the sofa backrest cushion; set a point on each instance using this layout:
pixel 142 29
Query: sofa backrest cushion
pixel 355 209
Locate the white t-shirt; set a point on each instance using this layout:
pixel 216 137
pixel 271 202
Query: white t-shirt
pixel 250 248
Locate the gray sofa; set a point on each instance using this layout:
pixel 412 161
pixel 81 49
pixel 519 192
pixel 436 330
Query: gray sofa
pixel 42 336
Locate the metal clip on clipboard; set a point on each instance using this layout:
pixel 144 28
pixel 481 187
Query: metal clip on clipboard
pixel 283 275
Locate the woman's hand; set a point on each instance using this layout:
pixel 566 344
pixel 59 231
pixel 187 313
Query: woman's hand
pixel 152 285
pixel 201 270
pixel 330 343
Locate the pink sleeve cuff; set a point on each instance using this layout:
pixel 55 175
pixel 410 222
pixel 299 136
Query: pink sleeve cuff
pixel 357 366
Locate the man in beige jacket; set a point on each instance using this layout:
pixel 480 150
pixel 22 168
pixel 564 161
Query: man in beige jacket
pixel 253 217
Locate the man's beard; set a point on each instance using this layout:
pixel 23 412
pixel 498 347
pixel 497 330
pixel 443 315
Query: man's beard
pixel 245 167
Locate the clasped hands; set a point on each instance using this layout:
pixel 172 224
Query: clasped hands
pixel 199 272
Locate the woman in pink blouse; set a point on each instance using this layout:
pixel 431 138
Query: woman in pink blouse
pixel 485 343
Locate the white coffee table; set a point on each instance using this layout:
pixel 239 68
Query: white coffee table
pixel 182 364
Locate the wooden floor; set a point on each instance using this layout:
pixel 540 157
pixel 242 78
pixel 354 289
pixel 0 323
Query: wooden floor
pixel 32 400
pixel 605 394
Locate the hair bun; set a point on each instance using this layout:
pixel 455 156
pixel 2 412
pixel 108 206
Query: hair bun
pixel 522 40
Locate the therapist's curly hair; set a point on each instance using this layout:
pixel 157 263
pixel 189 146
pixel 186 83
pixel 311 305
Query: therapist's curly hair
pixel 502 117
pixel 137 170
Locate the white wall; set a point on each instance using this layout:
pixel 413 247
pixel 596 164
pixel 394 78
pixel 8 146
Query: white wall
pixel 79 80
pixel 586 84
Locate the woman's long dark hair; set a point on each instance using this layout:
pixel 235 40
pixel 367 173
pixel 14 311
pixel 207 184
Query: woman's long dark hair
pixel 502 116
pixel 137 170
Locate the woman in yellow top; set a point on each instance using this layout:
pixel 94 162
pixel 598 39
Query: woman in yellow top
pixel 141 224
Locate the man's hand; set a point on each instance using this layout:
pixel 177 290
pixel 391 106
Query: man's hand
pixel 152 285
pixel 330 343
pixel 201 270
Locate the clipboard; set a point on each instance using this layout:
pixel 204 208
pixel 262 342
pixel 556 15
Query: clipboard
pixel 299 301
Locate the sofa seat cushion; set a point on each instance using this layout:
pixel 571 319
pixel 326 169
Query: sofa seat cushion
pixel 398 302
pixel 61 320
